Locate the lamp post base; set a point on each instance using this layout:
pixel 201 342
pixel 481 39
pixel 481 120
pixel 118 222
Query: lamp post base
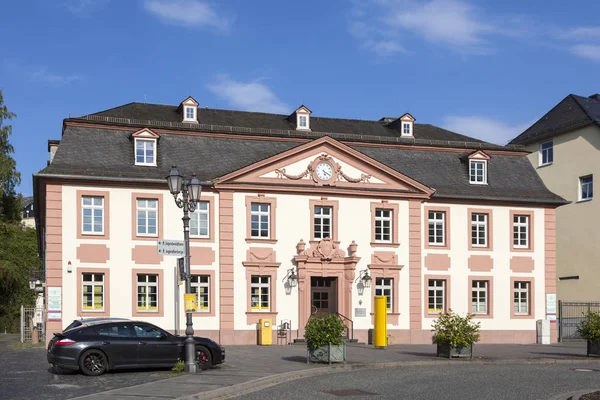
pixel 190 347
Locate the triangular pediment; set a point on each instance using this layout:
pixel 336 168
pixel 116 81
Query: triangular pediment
pixel 407 117
pixel 303 110
pixel 146 134
pixel 190 101
pixel 328 165
pixel 479 155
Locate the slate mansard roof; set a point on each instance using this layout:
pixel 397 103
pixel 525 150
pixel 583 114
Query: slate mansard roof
pixel 571 113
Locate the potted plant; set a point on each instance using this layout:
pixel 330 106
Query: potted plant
pixel 324 339
pixel 455 335
pixel 589 329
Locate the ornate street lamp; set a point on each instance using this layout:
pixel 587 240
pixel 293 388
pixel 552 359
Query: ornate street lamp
pixel 190 195
pixel 364 281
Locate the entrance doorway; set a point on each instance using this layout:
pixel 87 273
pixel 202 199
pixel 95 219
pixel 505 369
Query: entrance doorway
pixel 323 295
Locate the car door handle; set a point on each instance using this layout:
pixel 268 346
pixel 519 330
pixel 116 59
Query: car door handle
pixel 142 343
pixel 105 343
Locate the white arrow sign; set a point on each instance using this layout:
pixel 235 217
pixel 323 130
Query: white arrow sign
pixel 171 248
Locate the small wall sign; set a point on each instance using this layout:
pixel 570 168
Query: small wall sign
pixel 360 312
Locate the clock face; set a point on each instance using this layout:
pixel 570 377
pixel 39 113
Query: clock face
pixel 324 171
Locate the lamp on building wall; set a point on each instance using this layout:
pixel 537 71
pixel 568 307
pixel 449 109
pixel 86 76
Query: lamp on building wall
pixel 364 281
pixel 190 195
pixel 292 278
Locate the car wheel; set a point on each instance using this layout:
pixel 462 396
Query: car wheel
pixel 93 362
pixel 203 358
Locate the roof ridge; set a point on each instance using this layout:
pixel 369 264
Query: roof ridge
pixel 592 119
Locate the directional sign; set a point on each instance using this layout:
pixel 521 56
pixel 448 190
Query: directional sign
pixel 171 248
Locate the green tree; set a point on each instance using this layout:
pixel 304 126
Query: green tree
pixel 10 178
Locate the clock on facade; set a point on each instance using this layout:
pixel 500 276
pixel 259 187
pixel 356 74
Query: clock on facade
pixel 324 171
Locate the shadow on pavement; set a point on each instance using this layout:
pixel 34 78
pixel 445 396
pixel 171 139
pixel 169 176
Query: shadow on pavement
pixel 560 355
pixel 301 359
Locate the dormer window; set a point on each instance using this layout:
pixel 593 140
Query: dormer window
pixel 405 123
pixel 145 147
pixel 302 115
pixel 302 121
pixel 478 172
pixel 189 110
pixel 190 114
pixel 406 129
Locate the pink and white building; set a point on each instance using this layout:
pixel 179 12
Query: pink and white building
pixel 436 219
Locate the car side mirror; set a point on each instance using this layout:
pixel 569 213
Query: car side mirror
pixel 162 336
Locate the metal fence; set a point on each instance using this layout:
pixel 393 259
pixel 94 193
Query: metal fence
pixel 33 324
pixel 570 315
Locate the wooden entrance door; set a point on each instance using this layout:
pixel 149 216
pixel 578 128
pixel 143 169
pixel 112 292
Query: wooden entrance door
pixel 323 295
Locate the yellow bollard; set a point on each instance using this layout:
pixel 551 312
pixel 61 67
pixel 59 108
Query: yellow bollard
pixel 380 334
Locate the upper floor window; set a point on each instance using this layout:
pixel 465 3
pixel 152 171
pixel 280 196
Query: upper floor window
pixel 147 217
pixel 437 228
pixel 190 114
pixel 145 152
pixel 92 210
pixel 479 224
pixel 406 129
pixel 586 187
pixel 521 231
pixel 546 153
pixel 259 220
pixel 383 225
pixel 322 222
pixel 199 220
pixel 478 172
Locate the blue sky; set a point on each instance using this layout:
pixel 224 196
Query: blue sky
pixel 485 68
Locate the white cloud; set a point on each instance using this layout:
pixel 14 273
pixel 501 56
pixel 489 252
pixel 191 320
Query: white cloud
pixel 187 13
pixel 42 75
pixel 247 96
pixel 584 32
pixel 591 52
pixel 84 8
pixel 487 129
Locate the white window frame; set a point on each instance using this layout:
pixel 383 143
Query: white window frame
pixel 185 113
pixel 263 287
pixel 589 185
pixel 548 152
pixel 408 125
pixel 434 284
pixel 473 178
pixel 521 289
pixel 94 284
pixel 435 221
pixel 197 286
pixel 147 284
pixel 520 227
pixel 385 286
pixel 298 119
pixel 146 141
pixel 322 217
pixel 479 287
pixel 477 225
pixel 261 217
pixel 147 210
pixel 93 208
pixel 380 222
pixel 196 220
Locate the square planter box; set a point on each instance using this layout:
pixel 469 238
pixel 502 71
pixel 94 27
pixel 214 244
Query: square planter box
pixel 593 349
pixel 445 350
pixel 329 354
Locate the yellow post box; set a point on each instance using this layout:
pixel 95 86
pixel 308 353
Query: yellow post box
pixel 380 334
pixel 265 332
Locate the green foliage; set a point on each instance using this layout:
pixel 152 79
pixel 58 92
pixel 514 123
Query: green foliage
pixel 178 367
pixel 18 260
pixel 589 328
pixel 9 177
pixel 459 332
pixel 320 331
pixel 11 208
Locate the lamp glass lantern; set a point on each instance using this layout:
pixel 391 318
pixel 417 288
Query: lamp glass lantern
pixel 293 279
pixel 195 188
pixel 366 280
pixel 175 181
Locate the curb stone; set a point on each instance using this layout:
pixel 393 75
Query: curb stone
pixel 574 395
pixel 272 380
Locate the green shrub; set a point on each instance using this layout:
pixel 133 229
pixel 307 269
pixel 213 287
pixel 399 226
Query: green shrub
pixel 179 366
pixel 459 332
pixel 321 331
pixel 589 328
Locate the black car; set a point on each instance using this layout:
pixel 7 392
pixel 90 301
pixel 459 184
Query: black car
pixel 96 347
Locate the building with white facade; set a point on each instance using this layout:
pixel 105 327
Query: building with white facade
pixel 436 219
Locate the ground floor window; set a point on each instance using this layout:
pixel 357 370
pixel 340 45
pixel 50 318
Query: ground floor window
pixel 201 287
pixel 260 292
pixel 384 287
pixel 479 297
pixel 93 292
pixel 521 298
pixel 147 292
pixel 437 296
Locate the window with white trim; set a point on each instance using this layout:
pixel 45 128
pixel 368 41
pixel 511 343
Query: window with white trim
pixel 437 228
pixel 92 212
pixel 478 172
pixel 322 222
pixel 521 298
pixel 479 297
pixel 546 153
pixel 201 288
pixel 260 293
pixel 521 231
pixel 147 292
pixel 406 129
pixel 302 121
pixel 259 220
pixel 189 113
pixel 437 296
pixel 479 230
pixel 145 152
pixel 199 220
pixel 147 217
pixel 93 292
pixel 586 187
pixel 385 287
pixel 383 225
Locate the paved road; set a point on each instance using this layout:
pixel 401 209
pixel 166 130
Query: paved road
pixel 464 382
pixel 25 374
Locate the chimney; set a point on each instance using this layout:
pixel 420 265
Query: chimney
pixel 595 96
pixel 52 147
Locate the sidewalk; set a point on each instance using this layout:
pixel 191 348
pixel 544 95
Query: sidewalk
pixel 249 368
